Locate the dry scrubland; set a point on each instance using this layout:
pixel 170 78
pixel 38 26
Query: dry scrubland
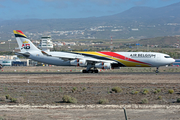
pixel 97 96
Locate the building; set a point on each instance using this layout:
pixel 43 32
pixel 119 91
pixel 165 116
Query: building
pixel 7 60
pixel 45 43
pixel 177 62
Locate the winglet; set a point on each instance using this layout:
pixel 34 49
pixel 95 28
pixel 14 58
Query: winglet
pixel 19 33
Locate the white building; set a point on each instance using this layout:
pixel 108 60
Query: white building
pixel 45 43
pixel 8 59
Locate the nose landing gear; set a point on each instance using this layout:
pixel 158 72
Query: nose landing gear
pixel 90 71
pixel 157 70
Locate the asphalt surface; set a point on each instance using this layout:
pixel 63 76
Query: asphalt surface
pixel 122 73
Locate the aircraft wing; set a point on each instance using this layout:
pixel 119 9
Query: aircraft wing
pixel 26 54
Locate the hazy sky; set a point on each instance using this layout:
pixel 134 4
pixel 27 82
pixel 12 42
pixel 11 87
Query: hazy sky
pixel 47 9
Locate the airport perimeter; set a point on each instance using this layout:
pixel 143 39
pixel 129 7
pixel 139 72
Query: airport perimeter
pixel 42 93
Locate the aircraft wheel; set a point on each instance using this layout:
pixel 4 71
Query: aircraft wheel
pixel 96 71
pixel 84 71
pixel 157 71
pixel 90 71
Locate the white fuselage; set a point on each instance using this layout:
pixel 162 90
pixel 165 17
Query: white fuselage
pixel 151 58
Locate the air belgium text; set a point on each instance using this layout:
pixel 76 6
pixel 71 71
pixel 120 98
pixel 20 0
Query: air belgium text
pixel 143 55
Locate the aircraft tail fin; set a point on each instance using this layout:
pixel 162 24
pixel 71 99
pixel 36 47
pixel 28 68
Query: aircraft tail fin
pixel 25 45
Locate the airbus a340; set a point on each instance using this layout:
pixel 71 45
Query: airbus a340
pixel 91 60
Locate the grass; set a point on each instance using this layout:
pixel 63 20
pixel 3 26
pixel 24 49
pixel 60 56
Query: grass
pixel 159 97
pixel 157 91
pixel 134 92
pixel 7 96
pixel 60 89
pixel 103 101
pixel 74 89
pixel 144 101
pixel 170 91
pixel 69 99
pixel 84 89
pixel 13 100
pixel 145 91
pixel 116 89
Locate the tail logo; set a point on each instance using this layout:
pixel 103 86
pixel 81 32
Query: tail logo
pixel 25 45
pixel 25 41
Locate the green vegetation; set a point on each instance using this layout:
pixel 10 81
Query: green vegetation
pixel 84 89
pixel 157 91
pixel 117 89
pixel 170 91
pixel 144 101
pixel 13 100
pixel 145 91
pixel 60 89
pixel 134 92
pixel 159 97
pixel 7 96
pixel 69 99
pixel 74 89
pixel 103 101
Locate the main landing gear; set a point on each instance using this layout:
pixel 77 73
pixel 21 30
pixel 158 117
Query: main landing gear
pixel 157 70
pixel 90 71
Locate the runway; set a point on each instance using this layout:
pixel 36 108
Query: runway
pixel 79 73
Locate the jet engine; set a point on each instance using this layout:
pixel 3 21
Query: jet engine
pixel 103 65
pixel 78 62
pixel 75 62
pixel 82 63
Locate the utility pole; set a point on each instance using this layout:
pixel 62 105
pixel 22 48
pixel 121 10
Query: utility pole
pixel 111 46
pixel 9 43
pixel 125 113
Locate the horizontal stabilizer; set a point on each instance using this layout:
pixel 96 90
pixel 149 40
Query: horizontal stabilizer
pixel 26 54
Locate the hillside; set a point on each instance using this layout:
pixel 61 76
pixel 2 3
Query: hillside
pixel 161 41
pixel 138 22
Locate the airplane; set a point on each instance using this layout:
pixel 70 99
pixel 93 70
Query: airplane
pixel 91 60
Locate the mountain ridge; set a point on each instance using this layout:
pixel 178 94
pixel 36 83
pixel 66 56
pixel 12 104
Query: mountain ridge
pixel 139 17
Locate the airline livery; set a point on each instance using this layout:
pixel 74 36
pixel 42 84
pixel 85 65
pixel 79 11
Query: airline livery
pixel 91 60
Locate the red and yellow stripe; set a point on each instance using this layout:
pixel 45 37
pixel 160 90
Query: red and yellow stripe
pixel 128 62
pixel 19 33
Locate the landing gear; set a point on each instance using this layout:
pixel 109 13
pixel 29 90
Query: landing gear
pixel 157 70
pixel 90 71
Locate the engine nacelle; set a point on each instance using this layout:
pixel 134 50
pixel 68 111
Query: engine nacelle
pixel 75 62
pixel 82 63
pixel 103 65
pixel 78 62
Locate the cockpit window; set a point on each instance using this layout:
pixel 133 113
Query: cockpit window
pixel 167 56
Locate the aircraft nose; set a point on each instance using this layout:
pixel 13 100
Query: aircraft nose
pixel 173 60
